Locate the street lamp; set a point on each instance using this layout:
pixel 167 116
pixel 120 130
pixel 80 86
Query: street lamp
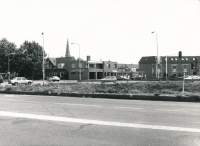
pixel 43 60
pixel 157 53
pixel 79 61
pixel 9 65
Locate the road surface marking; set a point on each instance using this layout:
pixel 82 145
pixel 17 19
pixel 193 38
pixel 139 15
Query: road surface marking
pixel 129 108
pixel 171 110
pixel 79 104
pixel 96 122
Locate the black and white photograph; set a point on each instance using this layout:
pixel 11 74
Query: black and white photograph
pixel 99 72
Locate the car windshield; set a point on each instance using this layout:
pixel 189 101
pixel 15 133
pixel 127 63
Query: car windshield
pixel 14 78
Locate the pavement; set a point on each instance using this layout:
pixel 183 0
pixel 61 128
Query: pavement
pixel 30 120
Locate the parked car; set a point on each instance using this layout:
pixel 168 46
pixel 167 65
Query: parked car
pixel 138 77
pixel 1 79
pixel 20 80
pixel 192 77
pixel 174 77
pixel 109 79
pixel 122 78
pixel 54 78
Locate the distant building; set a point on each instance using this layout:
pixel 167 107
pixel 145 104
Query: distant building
pixel 175 66
pixel 69 68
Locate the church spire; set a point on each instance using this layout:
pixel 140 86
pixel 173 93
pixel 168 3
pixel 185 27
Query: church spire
pixel 67 50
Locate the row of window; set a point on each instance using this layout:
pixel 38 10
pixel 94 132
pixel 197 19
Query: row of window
pixel 181 59
pixel 175 66
pixel 98 66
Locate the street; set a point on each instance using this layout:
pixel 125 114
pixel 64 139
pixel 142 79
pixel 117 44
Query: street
pixel 27 120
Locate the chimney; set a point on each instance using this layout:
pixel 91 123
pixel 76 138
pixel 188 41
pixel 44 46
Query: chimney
pixel 88 58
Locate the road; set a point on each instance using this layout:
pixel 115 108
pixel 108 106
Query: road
pixel 27 120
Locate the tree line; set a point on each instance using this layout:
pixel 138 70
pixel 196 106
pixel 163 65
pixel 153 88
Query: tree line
pixel 26 60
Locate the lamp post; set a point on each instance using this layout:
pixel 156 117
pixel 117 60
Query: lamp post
pixel 157 53
pixel 79 61
pixel 43 60
pixel 9 65
pixel 166 67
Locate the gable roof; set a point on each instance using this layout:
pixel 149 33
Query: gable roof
pixel 53 60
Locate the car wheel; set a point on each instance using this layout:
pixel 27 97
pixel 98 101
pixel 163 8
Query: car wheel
pixel 16 83
pixel 58 80
pixel 29 83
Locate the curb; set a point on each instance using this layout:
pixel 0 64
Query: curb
pixel 155 97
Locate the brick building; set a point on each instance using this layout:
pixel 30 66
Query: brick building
pixel 69 68
pixel 175 66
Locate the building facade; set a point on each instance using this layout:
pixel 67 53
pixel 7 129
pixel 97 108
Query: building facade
pixel 98 69
pixel 70 69
pixel 190 65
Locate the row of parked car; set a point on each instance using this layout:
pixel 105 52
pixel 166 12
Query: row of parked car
pixel 23 80
pixel 114 79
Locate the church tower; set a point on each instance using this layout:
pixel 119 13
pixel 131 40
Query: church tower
pixel 67 50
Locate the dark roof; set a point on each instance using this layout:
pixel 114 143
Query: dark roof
pixel 148 59
pixel 65 60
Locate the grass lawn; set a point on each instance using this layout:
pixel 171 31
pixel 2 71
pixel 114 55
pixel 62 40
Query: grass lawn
pixel 150 88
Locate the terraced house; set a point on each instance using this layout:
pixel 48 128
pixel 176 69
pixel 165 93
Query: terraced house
pixel 175 66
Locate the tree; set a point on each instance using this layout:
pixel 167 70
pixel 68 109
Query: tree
pixel 6 48
pixel 31 59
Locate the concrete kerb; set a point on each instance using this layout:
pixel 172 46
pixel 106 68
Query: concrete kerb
pixel 156 97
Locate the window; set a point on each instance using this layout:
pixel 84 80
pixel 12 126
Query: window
pixel 99 66
pixel 91 65
pixel 79 72
pixel 115 65
pixel 62 74
pixel 152 66
pixel 172 59
pixel 18 79
pixel 73 72
pixel 175 58
pixel 193 58
pixel 185 66
pixel 73 65
pixel 186 58
pixel 60 65
pixel 182 58
pixel 108 65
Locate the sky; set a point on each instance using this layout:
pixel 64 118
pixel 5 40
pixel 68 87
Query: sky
pixel 115 30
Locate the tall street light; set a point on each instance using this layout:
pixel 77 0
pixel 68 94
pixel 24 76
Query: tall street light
pixel 79 62
pixel 9 65
pixel 157 54
pixel 43 60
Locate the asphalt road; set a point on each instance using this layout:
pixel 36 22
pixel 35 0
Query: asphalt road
pixel 27 120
